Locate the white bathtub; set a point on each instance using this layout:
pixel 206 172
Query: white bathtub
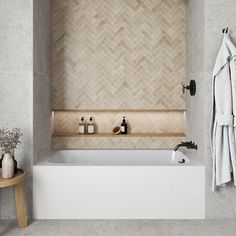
pixel 118 184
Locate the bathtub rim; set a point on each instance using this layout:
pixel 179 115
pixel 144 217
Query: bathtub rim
pixel 45 159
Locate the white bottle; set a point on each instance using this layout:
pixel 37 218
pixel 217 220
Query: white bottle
pixel 7 166
pixel 91 126
pixel 82 126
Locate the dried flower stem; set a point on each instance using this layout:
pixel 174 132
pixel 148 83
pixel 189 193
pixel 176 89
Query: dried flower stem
pixel 9 139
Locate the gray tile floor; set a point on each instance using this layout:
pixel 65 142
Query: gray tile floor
pixel 121 228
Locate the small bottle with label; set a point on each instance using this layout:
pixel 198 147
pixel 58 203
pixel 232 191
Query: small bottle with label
pixel 82 126
pixel 124 127
pixel 91 126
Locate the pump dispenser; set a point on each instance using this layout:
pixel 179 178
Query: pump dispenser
pixel 124 127
pixel 82 126
pixel 91 126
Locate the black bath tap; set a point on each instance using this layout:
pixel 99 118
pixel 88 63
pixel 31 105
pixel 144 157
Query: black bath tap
pixel 188 145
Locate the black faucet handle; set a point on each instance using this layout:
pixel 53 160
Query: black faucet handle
pixel 193 145
pixel 188 143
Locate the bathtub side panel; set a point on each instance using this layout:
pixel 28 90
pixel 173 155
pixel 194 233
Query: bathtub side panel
pixel 119 192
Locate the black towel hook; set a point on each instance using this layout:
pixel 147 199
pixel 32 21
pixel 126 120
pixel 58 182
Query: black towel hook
pixel 225 30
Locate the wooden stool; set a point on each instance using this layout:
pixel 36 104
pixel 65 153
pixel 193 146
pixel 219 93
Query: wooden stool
pixel 16 182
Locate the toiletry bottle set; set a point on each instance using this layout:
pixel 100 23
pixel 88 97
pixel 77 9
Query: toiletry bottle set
pixel 87 128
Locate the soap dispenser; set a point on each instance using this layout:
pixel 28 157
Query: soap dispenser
pixel 91 126
pixel 124 127
pixel 82 126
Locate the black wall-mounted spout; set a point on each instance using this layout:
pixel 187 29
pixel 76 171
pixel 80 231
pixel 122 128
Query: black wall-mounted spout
pixel 188 145
pixel 191 87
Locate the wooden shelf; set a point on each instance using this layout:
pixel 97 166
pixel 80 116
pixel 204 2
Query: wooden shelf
pixel 120 135
pixel 118 110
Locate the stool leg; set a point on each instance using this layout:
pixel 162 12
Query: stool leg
pixel 20 206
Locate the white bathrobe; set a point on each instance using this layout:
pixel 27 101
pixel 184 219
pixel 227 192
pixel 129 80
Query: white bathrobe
pixel 223 122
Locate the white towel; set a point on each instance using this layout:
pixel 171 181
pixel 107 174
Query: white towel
pixel 223 133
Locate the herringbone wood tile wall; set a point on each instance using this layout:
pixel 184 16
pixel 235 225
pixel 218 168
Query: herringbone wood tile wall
pixel 118 54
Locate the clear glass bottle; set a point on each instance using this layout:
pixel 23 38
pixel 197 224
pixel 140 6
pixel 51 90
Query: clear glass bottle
pixel 82 126
pixel 91 126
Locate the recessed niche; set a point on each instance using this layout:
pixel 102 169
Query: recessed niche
pixel 147 129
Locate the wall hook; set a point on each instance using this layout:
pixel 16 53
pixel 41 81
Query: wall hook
pixel 225 30
pixel 191 87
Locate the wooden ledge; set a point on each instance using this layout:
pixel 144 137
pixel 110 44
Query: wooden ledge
pixel 120 135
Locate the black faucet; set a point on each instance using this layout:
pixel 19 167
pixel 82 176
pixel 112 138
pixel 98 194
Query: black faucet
pixel 188 145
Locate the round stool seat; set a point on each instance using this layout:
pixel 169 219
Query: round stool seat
pixel 18 178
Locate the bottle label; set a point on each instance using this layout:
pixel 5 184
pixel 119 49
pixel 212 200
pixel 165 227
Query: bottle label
pixel 122 128
pixel 90 129
pixel 81 129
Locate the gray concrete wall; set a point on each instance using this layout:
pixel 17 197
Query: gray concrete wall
pixel 195 71
pixel 25 100
pixel 218 15
pixel 16 89
pixel 206 19
pixel 42 79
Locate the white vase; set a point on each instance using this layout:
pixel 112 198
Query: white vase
pixel 7 166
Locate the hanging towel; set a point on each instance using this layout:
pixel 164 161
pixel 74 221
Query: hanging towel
pixel 223 121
